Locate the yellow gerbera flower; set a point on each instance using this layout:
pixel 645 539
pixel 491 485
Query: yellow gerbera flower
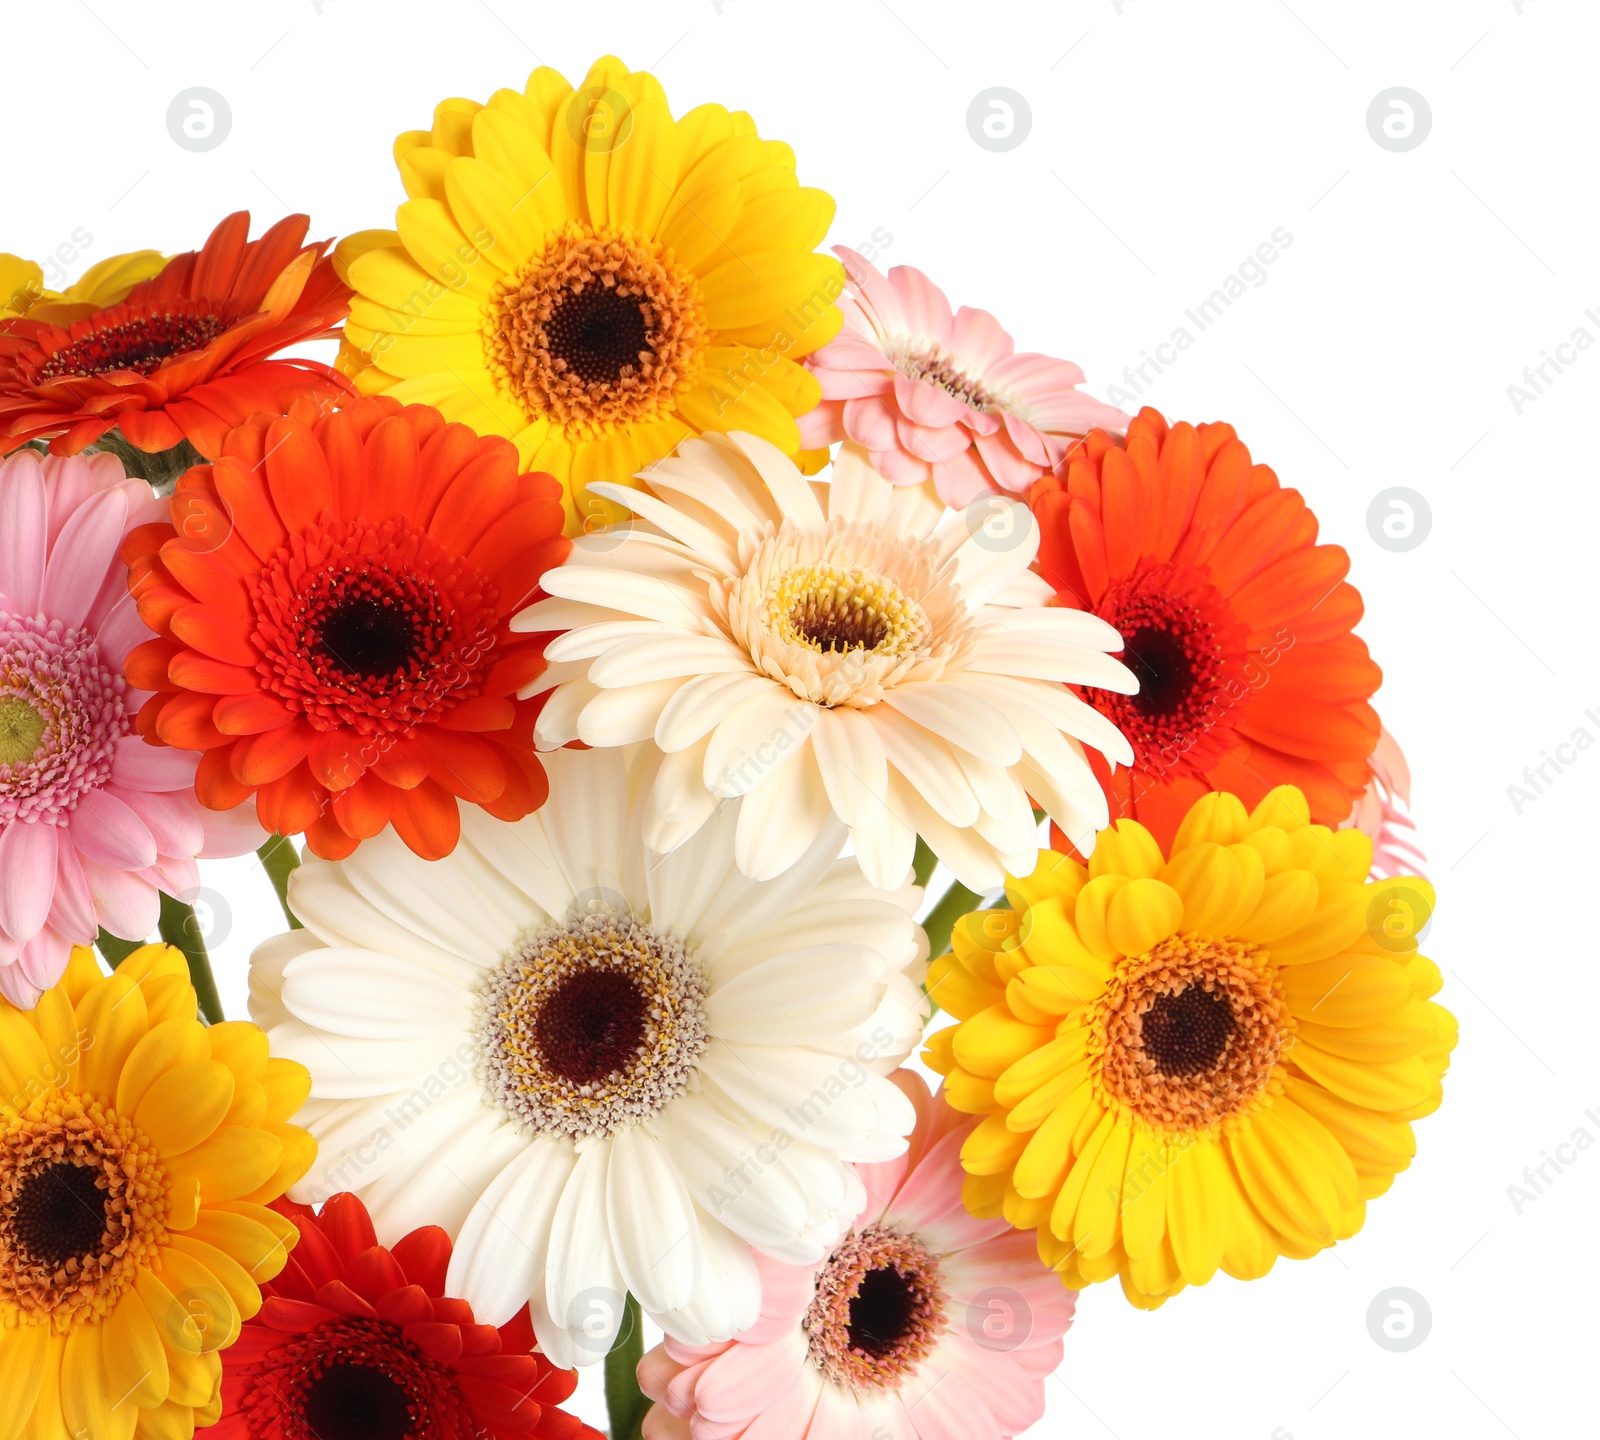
pixel 138 1153
pixel 23 292
pixel 583 274
pixel 1194 1063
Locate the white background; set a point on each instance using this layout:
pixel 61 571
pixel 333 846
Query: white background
pixel 1167 141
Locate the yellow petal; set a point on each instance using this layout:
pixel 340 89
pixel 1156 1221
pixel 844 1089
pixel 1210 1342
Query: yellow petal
pixel 1199 1198
pixel 436 243
pixel 114 1017
pixel 136 1360
pixel 1127 848
pixel 1337 922
pixel 1064 1212
pixel 991 1148
pixel 1032 1111
pixel 194 1380
pixel 180 1041
pixel 86 1405
pixel 644 171
pixel 259 1250
pixel 24 1353
pixel 232 1164
pixel 1043 1164
pixel 1144 1191
pixel 760 285
pixel 1288 900
pixel 796 218
pixel 1346 990
pixel 204 1307
pixel 1089 915
pixel 185 1105
pixel 1209 880
pixel 1284 807
pixel 1038 1066
pixel 1396 1086
pixel 1050 936
pixel 1055 877
pixel 230 1274
pixel 1375 1144
pixel 1217 817
pixel 1098 1225
pixel 299 1153
pixel 25 1068
pixel 241 1046
pixel 485 206
pixel 991 1041
pixel 1141 915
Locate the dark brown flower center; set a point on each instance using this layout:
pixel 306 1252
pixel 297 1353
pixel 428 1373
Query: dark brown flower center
pixel 598 334
pixel 367 636
pixel 591 1025
pixel 60 1213
pixel 878 1309
pixel 141 344
pixel 1185 1033
pixel 352 1401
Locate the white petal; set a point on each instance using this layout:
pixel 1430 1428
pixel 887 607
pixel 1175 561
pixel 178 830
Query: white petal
pixel 851 759
pixel 781 818
pixel 757 737
pixel 625 716
pixel 965 719
pixel 802 998
pixel 652 1222
pixel 372 996
pixel 583 1283
pixel 702 703
pixel 727 1295
pixel 442 1188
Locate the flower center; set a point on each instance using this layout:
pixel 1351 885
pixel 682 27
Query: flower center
pixel 929 363
pixel 599 330
pixel 363 635
pixel 1188 661
pixel 83 1205
pixel 591 1026
pixel 142 344
pixel 878 1310
pixel 356 1402
pixel 1189 1035
pixel 371 626
pixel 841 613
pixel 60 1213
pixel 353 1379
pixel 21 729
pixel 834 610
pixel 61 714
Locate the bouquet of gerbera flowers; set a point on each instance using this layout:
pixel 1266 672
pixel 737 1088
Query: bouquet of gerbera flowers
pixel 630 623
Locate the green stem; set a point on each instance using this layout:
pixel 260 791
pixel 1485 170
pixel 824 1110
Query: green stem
pixel 280 860
pixel 180 926
pixel 114 949
pixel 161 468
pixel 625 1402
pixel 957 901
pixel 922 866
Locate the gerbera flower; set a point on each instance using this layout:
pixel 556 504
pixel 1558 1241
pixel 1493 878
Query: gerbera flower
pixel 139 1150
pixel 1236 623
pixel 1381 812
pixel 830 649
pixel 23 292
pixel 187 355
pixel 602 1070
pixel 942 397
pixel 332 599
pixel 924 1322
pixel 94 823
pixel 358 1340
pixel 585 275
pixel 1192 1063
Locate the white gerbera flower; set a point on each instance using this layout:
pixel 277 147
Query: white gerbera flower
pixel 601 1069
pixel 842 649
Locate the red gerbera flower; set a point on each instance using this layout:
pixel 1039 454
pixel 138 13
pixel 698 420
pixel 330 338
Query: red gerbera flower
pixel 358 1342
pixel 331 601
pixel 1236 622
pixel 186 355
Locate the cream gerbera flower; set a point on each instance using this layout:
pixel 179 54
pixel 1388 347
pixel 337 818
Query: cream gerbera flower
pixel 601 1070
pixel 831 649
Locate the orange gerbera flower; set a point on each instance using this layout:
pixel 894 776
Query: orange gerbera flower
pixel 331 602
pixel 1236 622
pixel 187 355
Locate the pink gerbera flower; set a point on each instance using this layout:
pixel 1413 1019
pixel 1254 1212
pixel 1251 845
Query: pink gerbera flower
pixel 943 397
pixel 923 1324
pixel 94 822
pixel 1381 813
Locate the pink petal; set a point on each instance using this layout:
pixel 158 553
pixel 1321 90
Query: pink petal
pixel 175 874
pixel 1009 469
pixel 852 352
pixel 108 832
pixel 745 1380
pixel 128 905
pixel 926 310
pixel 16 987
pixel 947 1410
pixel 933 444
pixel 172 818
pixel 44 958
pixel 661 1424
pixel 1074 412
pixel 73 911
pixel 979 339
pixel 1036 377
pixel 27 877
pixel 878 299
pixel 116 624
pixel 962 481
pixel 83 552
pixel 231 832
pixel 927 403
pixel 786 1293
pixel 870 422
pixel 900 467
pixel 1028 441
pixel 22 533
pixel 139 765
pixel 822 426
pixel 994 1380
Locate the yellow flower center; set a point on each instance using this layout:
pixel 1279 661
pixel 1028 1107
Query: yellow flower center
pixel 591 1025
pixel 599 330
pixel 832 610
pixel 21 729
pixel 83 1208
pixel 1188 1035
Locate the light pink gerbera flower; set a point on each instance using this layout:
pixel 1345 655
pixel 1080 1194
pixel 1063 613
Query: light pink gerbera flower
pixel 94 822
pixel 1381 813
pixel 924 1323
pixel 942 397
